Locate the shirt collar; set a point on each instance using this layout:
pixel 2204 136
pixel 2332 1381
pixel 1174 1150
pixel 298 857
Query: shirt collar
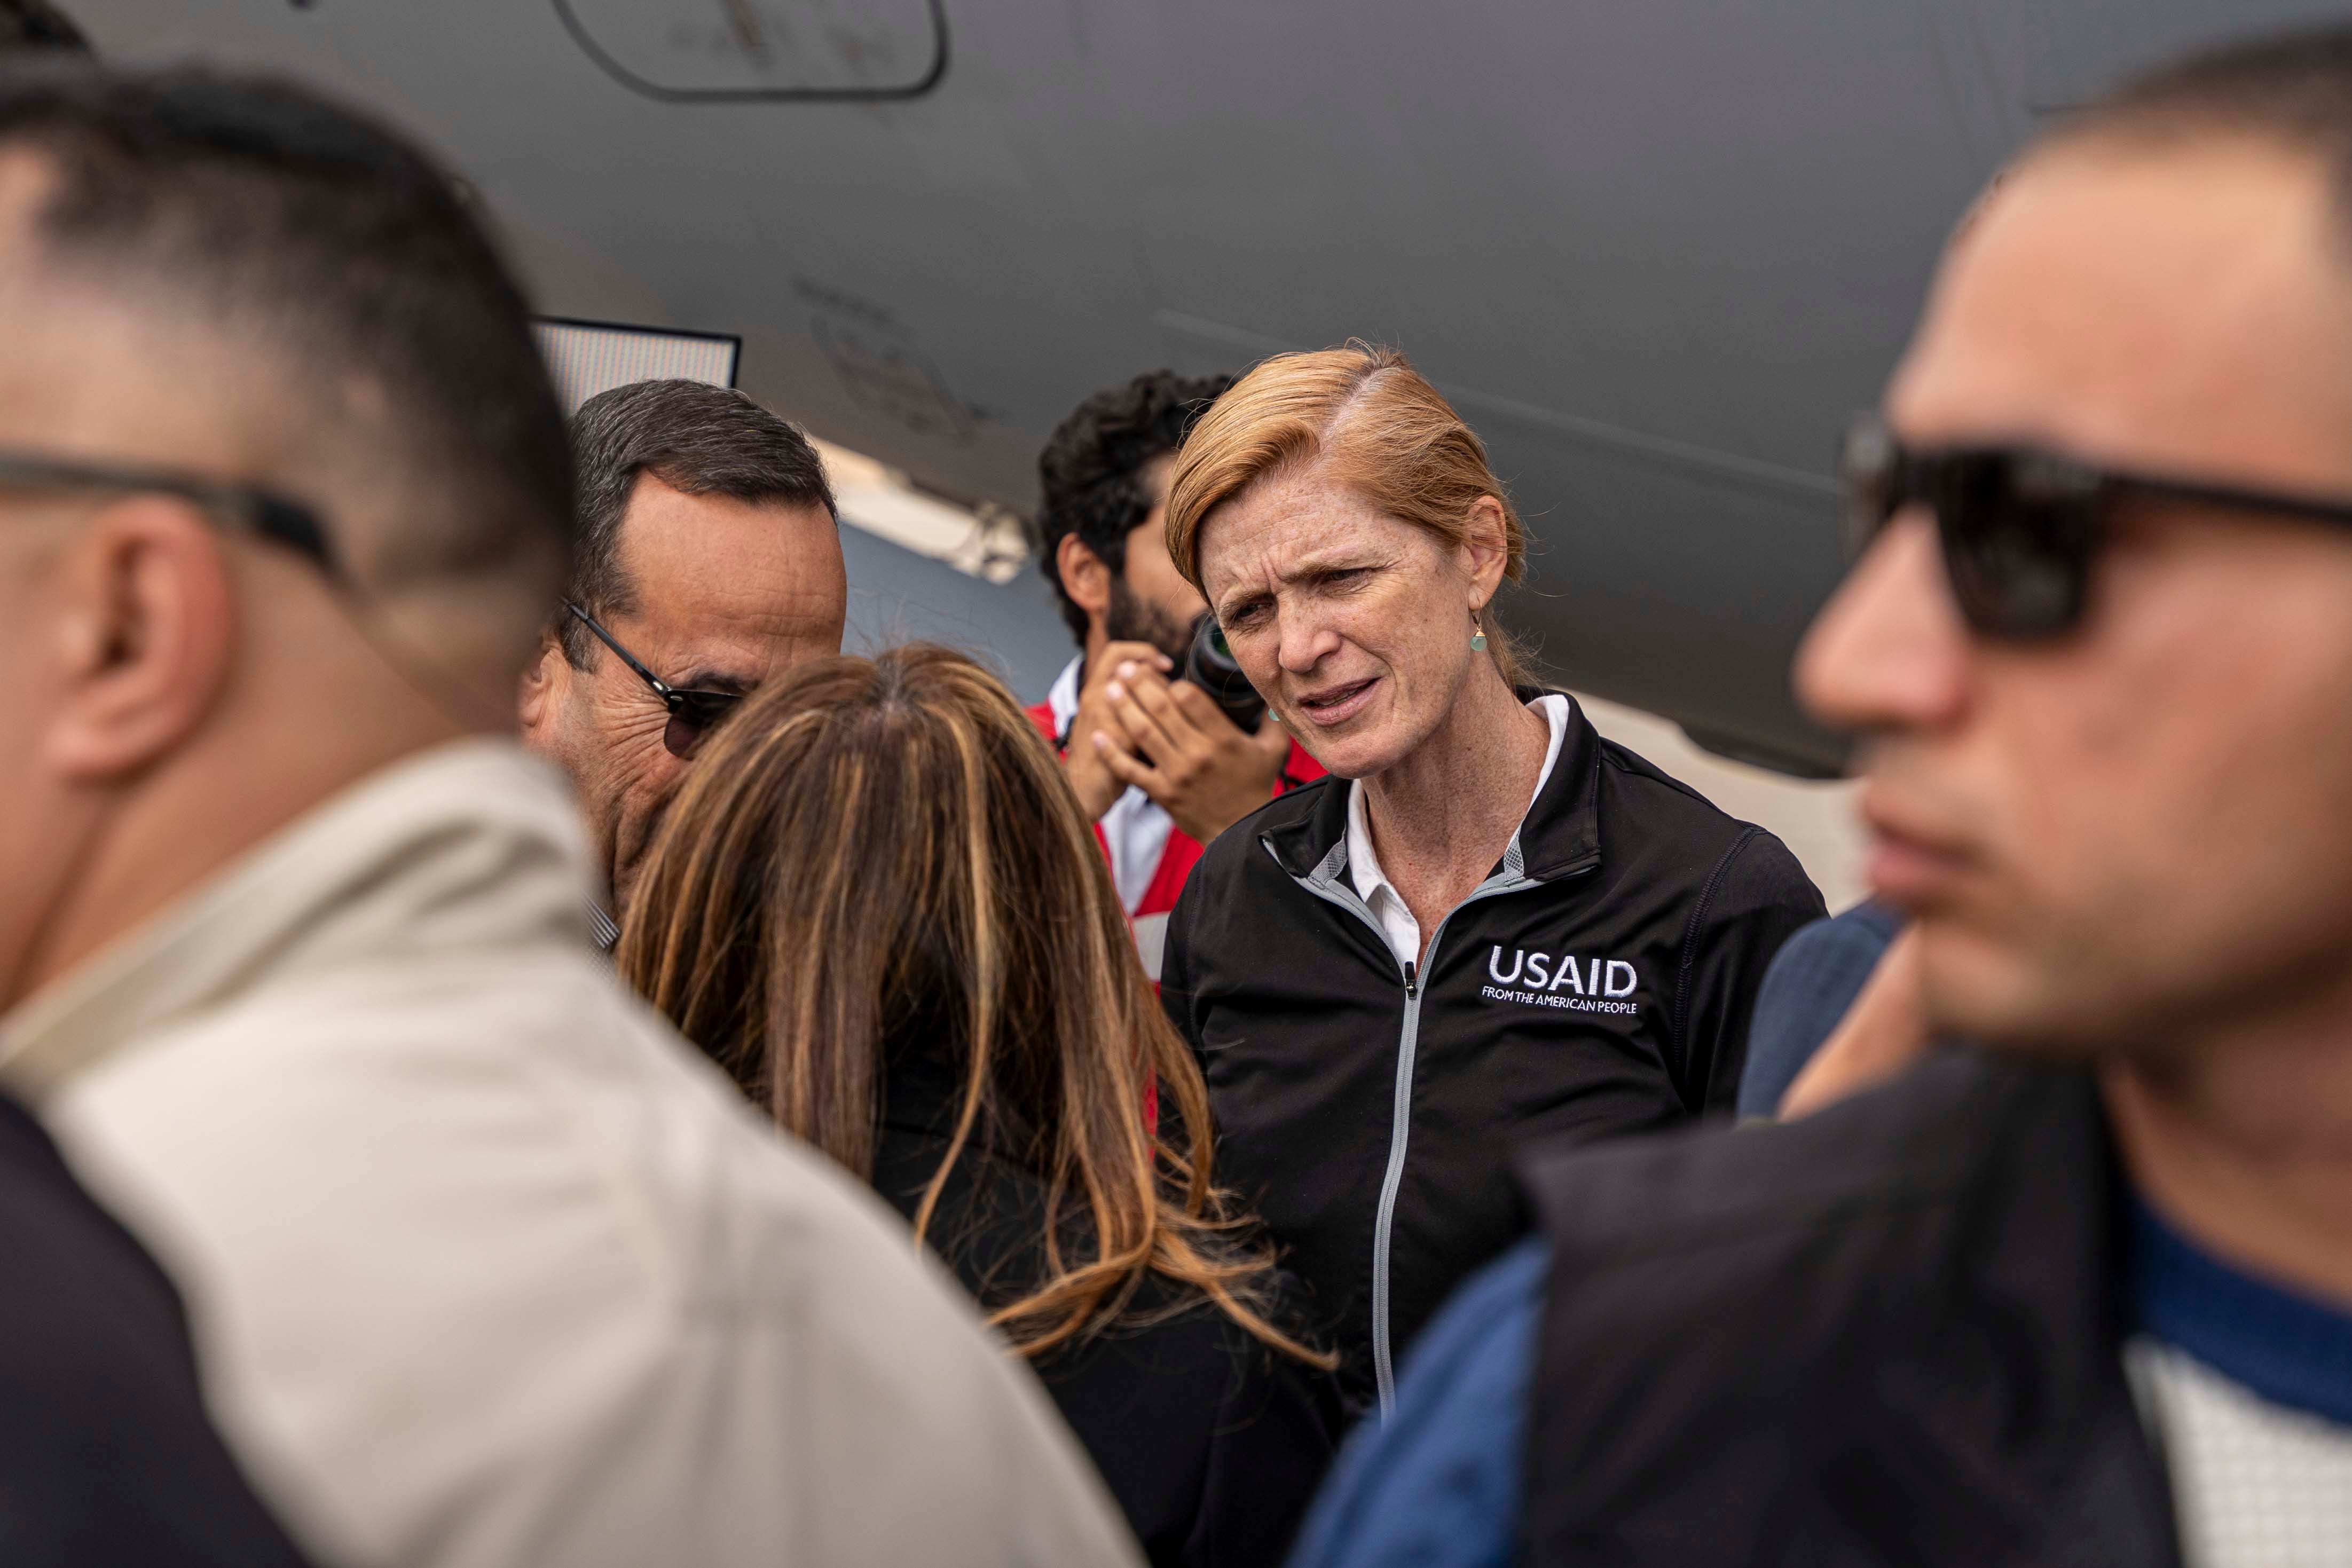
pixel 2290 1348
pixel 1364 864
pixel 1306 829
pixel 471 847
pixel 1063 698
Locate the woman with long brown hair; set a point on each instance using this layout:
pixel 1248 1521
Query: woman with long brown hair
pixel 878 905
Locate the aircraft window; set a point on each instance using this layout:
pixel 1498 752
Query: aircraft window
pixel 785 51
pixel 584 358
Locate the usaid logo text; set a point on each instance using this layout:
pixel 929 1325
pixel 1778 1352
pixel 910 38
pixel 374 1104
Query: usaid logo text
pixel 1576 985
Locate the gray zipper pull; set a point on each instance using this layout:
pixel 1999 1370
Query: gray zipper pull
pixel 1411 981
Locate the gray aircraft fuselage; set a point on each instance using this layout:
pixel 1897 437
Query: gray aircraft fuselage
pixel 1657 251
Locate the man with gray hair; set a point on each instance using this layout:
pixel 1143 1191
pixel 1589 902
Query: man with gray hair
pixel 706 561
pixel 483 1265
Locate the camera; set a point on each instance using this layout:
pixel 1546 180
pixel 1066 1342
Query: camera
pixel 1211 665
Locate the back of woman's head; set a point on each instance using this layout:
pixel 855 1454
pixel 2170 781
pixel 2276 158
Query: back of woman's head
pixel 873 855
pixel 1374 424
pixel 881 856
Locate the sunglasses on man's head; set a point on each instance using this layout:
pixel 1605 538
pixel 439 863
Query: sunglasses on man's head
pixel 2021 527
pixel 692 715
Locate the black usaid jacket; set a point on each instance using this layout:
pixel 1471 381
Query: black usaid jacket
pixel 1599 982
pixel 1888 1334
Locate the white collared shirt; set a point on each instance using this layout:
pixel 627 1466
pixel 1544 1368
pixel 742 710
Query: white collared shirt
pixel 2255 1484
pixel 1136 827
pixel 486 1267
pixel 1401 931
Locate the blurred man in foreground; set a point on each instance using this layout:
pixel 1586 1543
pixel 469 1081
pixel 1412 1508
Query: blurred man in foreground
pixel 2085 1297
pixel 484 1268
pixel 707 560
pixel 1155 762
pixel 106 1455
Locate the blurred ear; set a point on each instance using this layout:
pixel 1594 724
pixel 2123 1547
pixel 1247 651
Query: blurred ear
pixel 1486 549
pixel 541 688
pixel 142 629
pixel 1084 575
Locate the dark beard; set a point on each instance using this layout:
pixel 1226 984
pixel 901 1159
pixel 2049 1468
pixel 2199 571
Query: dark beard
pixel 1130 619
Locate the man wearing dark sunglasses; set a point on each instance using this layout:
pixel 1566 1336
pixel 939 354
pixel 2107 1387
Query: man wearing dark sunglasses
pixel 2082 1293
pixel 709 562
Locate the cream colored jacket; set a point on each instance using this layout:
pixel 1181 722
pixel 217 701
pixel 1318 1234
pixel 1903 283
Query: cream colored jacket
pixel 485 1266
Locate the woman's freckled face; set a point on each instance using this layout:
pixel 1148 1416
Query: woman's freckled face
pixel 1354 625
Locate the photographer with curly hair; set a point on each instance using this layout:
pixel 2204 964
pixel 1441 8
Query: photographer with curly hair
pixel 1156 763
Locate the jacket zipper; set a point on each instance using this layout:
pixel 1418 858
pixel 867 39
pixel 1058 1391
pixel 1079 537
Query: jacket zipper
pixel 1401 1108
pixel 1384 1218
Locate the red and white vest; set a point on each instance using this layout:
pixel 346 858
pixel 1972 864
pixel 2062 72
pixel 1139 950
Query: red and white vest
pixel 1149 856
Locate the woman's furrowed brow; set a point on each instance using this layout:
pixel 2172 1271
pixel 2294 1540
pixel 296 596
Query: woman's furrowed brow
pixel 1322 563
pixel 1238 599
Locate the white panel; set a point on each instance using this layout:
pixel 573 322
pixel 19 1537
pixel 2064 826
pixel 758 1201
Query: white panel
pixel 585 359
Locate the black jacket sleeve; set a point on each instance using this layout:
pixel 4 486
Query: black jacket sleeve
pixel 1756 897
pixel 1176 984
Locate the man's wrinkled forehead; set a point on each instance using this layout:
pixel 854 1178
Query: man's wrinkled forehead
pixel 92 367
pixel 2184 306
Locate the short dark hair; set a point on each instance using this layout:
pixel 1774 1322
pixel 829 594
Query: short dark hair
pixel 402 365
pixel 695 437
pixel 2292 89
pixel 34 25
pixel 1088 471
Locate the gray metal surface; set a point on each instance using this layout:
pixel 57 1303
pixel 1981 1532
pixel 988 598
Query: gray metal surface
pixel 1657 251
pixel 897 596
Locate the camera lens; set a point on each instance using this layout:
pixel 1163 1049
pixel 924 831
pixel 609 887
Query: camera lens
pixel 1211 665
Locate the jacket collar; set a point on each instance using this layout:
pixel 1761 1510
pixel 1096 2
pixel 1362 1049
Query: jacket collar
pixel 468 850
pixel 2029 1274
pixel 1307 830
pixel 1940 1267
pixel 1062 701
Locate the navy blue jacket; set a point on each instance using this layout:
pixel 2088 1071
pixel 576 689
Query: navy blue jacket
pixel 106 1456
pixel 1807 993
